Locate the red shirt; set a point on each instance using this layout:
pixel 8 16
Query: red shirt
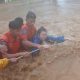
pixel 12 43
pixel 27 32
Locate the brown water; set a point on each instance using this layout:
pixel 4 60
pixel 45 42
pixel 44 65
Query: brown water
pixel 60 17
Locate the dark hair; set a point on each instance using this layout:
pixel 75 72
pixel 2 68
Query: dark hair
pixel 40 30
pixel 19 20
pixel 14 25
pixel 30 15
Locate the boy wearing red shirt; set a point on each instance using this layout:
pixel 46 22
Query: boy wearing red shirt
pixel 28 31
pixel 11 41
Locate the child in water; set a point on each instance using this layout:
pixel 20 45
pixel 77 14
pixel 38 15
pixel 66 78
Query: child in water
pixel 42 37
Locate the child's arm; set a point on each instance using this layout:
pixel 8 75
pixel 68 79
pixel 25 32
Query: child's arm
pixel 24 54
pixel 30 44
pixel 3 50
pixel 35 43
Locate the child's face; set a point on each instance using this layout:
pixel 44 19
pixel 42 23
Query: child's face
pixel 15 32
pixel 31 22
pixel 43 35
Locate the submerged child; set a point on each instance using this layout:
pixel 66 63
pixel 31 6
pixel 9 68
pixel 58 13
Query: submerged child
pixel 42 37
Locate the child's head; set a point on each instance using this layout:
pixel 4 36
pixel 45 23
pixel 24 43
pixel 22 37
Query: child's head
pixel 19 20
pixel 31 18
pixel 14 27
pixel 42 33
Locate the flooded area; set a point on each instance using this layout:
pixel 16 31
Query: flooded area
pixel 60 17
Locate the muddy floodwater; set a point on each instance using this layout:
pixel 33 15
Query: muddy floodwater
pixel 60 17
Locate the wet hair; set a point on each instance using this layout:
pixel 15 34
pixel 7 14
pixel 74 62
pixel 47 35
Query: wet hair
pixel 41 29
pixel 14 25
pixel 19 20
pixel 30 15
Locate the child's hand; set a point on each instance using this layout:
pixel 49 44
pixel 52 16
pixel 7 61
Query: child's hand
pixel 39 46
pixel 13 59
pixel 46 46
pixel 43 46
